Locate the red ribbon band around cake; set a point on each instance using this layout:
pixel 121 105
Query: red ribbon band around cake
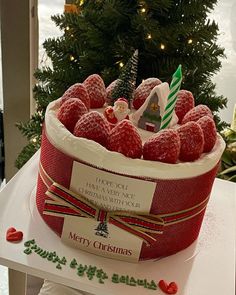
pixel 65 202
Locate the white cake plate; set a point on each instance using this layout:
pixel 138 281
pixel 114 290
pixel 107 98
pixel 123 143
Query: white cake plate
pixel 206 267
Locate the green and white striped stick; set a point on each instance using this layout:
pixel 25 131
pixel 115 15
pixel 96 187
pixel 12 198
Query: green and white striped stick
pixel 172 97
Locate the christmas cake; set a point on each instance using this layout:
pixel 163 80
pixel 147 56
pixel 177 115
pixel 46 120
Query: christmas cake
pixel 113 182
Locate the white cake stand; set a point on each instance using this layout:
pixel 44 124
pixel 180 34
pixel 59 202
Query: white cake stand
pixel 206 267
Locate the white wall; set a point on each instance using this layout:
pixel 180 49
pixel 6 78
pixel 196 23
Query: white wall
pixel 17 75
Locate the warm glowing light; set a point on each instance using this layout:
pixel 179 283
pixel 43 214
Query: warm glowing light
pixel 149 36
pixel 143 10
pixel 81 2
pixel 34 140
pixel 121 64
pixel 72 58
pixel 162 46
pixel 190 41
pixel 67 28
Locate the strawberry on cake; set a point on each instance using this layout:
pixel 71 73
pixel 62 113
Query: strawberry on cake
pixel 132 193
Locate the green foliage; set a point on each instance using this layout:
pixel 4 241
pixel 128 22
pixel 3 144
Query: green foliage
pixel 32 129
pixel 27 152
pixel 106 32
pixel 125 85
pixel 228 161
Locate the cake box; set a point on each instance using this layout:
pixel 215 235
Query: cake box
pixel 121 208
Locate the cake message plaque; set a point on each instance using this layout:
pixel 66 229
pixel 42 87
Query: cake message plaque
pixel 112 193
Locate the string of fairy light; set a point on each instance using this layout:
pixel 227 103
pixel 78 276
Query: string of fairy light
pixel 143 10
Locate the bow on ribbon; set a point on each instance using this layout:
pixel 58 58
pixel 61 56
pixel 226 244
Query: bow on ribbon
pixel 64 202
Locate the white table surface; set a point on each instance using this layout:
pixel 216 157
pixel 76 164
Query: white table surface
pixel 206 267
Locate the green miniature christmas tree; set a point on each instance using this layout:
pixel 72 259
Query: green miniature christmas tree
pixel 126 82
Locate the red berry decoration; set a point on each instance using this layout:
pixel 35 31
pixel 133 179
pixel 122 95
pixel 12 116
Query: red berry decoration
pixel 93 126
pixel 191 141
pixel 77 90
pixel 184 103
pixel 13 235
pixel 109 90
pixel 170 288
pixel 125 139
pixel 70 112
pixel 209 131
pixel 96 90
pixel 196 113
pixel 163 146
pixel 143 90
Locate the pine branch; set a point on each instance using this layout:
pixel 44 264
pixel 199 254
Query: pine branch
pixel 27 152
pixel 32 129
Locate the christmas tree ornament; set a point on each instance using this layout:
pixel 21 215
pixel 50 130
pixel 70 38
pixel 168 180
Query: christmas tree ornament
pixel 70 8
pixel 118 112
pixel 127 80
pixel 149 115
pixel 172 97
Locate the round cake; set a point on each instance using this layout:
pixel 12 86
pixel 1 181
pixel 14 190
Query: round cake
pixel 157 207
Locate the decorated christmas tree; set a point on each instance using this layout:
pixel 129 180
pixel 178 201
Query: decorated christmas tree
pixel 100 36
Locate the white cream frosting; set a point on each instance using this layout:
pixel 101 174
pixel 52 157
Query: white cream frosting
pixel 93 153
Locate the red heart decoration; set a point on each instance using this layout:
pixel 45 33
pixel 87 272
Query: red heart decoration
pixel 14 235
pixel 11 230
pixel 170 288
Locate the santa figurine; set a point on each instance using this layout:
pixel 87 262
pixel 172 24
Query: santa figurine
pixel 118 112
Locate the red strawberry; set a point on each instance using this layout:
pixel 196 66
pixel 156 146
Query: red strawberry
pixel 191 140
pixel 184 103
pixel 125 139
pixel 196 113
pixel 93 126
pixel 163 146
pixel 96 90
pixel 109 90
pixel 209 131
pixel 77 90
pixel 70 112
pixel 143 90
